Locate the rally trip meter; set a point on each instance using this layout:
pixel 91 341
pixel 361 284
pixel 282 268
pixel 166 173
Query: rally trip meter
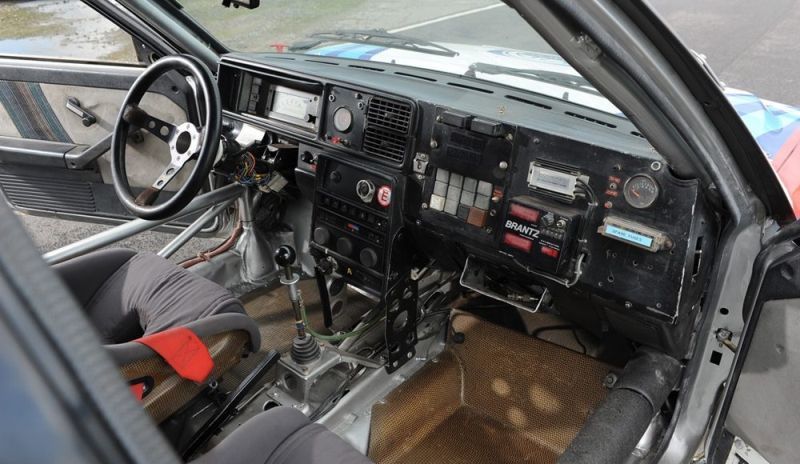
pixel 641 191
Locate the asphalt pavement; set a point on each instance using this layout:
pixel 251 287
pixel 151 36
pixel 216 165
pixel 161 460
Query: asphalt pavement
pixel 751 45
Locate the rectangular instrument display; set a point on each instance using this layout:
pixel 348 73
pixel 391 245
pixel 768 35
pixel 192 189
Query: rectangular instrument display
pixel 261 98
pixel 293 106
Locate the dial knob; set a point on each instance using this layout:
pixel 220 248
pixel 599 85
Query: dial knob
pixel 368 257
pixel 365 189
pixel 322 235
pixel 344 246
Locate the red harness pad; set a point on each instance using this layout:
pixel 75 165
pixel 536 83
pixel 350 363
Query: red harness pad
pixel 183 351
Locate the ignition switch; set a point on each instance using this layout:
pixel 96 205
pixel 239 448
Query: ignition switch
pixel 365 189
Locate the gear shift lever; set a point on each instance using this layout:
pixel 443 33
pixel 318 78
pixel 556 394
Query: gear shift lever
pixel 305 348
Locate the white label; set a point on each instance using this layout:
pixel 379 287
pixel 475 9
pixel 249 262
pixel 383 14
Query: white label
pixel 554 181
pixel 522 229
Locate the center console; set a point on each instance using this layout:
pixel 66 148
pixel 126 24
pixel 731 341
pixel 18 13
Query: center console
pixel 356 214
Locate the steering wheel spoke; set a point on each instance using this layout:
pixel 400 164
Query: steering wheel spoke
pixel 167 175
pixel 136 116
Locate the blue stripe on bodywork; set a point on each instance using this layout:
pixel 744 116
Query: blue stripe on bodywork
pixel 368 56
pixel 333 50
pixel 348 50
pixel 356 53
pixel 750 107
pixel 771 142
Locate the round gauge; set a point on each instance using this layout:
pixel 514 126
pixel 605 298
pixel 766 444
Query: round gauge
pixel 342 119
pixel 641 191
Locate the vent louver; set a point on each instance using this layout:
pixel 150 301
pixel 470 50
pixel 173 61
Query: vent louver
pixel 388 125
pixel 385 144
pixel 389 114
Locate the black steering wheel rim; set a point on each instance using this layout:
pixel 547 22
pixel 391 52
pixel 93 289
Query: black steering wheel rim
pixel 186 141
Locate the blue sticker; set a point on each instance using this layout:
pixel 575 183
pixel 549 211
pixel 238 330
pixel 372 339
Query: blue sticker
pixel 629 236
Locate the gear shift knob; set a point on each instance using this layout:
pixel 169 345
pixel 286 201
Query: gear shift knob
pixel 285 256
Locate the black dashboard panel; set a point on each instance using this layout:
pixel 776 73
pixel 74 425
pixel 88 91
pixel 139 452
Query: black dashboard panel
pixel 539 192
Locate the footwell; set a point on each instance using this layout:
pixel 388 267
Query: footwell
pixel 500 397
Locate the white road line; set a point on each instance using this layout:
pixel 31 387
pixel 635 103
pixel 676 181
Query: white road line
pixel 445 18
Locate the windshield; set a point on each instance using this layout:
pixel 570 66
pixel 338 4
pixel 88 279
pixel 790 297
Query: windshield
pixel 480 39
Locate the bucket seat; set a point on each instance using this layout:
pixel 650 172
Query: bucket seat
pixel 170 331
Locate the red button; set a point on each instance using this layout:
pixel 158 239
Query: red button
pixel 517 242
pixel 384 196
pixel 528 214
pixel 551 252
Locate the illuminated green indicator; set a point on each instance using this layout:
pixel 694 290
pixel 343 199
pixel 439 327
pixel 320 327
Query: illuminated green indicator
pixel 629 236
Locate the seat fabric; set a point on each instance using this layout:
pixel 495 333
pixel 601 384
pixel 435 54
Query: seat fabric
pixel 282 435
pixel 128 295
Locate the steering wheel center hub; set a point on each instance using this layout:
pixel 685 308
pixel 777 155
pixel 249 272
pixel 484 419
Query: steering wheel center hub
pixel 185 141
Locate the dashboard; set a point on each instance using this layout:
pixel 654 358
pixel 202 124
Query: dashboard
pixel 532 200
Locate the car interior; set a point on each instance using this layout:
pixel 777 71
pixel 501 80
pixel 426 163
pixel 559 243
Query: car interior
pixel 416 267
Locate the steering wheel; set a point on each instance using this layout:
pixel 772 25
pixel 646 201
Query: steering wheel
pixel 186 141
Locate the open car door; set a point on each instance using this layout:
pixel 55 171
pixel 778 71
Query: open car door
pixel 760 421
pixel 58 110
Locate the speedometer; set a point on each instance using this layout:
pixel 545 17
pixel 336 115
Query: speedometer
pixel 342 119
pixel 641 191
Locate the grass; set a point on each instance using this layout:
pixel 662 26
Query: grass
pixel 276 21
pixel 20 23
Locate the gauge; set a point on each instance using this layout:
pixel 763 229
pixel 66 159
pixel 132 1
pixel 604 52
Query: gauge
pixel 342 119
pixel 641 191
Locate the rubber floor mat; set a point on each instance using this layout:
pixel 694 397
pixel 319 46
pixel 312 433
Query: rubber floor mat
pixel 500 397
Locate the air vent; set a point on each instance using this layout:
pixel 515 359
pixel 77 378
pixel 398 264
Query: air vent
pixel 388 125
pixel 385 144
pixel 368 68
pixel 529 102
pixel 322 62
pixel 415 76
pixel 587 118
pixel 469 87
pixel 389 114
